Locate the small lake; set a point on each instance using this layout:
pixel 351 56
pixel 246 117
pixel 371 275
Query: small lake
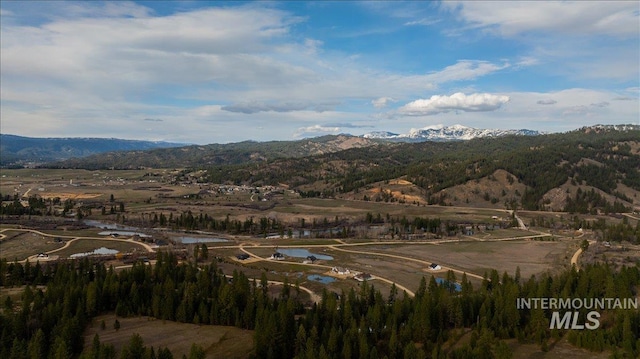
pixel 303 253
pixel 101 250
pixel 321 278
pixel 189 240
pixel 123 233
pixel 457 287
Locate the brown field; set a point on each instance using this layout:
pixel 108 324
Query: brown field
pixel 66 195
pixel 88 245
pixel 616 254
pixel 145 196
pixel 533 257
pixel 561 349
pixel 217 341
pixel 21 245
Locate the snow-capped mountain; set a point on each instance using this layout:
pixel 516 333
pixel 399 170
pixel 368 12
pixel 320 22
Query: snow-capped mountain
pixel 446 133
pixel 623 127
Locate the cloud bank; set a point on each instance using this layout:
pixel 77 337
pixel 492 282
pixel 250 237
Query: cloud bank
pixel 477 102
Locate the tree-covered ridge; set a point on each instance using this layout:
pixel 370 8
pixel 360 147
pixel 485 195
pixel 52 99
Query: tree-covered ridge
pixel 48 321
pixel 540 162
pixel 599 157
pixel 19 149
pixel 76 291
pixel 219 154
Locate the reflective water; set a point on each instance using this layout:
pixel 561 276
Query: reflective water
pixel 321 278
pixel 457 287
pixel 303 253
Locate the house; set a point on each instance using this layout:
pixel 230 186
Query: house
pixel 277 256
pixel 312 258
pixel 242 256
pixel 361 277
pixel 43 255
pixel 340 271
pixel 435 266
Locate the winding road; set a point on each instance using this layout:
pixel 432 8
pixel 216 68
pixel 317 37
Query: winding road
pixel 72 239
pixel 339 245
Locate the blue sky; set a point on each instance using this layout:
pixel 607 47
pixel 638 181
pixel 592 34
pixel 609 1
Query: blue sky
pixel 217 72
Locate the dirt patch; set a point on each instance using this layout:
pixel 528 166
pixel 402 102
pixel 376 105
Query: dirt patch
pixel 217 341
pixel 66 195
pixel 401 182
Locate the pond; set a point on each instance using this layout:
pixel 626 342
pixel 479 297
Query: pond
pixel 321 278
pixel 303 253
pixel 457 287
pixel 101 250
pixel 189 240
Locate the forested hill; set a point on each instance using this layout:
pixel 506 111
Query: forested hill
pixel 18 149
pixel 61 299
pixel 590 169
pixel 221 154
pixel 601 159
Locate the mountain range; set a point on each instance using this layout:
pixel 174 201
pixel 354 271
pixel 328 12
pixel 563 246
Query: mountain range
pixel 446 133
pixel 590 170
pixel 20 150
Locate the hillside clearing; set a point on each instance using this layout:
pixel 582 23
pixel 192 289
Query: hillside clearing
pixel 217 341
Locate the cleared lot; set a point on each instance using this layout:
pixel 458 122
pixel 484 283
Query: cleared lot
pixel 531 256
pixel 217 341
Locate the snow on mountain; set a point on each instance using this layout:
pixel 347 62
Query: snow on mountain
pixel 380 134
pixel 446 133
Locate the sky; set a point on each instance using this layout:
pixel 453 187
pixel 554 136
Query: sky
pixel 218 72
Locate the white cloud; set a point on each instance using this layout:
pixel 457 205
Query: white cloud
pixel 423 22
pixel 313 46
pixel 5 12
pixel 382 102
pixel 577 40
pixel 600 104
pixel 255 107
pixel 527 61
pixel 465 70
pixel 315 130
pixel 511 18
pixel 547 102
pixel 241 55
pixel 84 68
pixel 346 125
pixel 477 102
